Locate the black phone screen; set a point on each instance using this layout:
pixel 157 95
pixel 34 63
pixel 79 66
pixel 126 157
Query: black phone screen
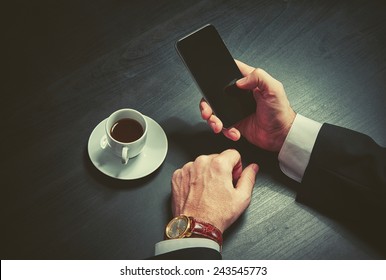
pixel 215 72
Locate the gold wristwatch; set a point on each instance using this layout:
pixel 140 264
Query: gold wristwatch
pixel 183 226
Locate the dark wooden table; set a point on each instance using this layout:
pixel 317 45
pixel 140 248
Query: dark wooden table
pixel 69 64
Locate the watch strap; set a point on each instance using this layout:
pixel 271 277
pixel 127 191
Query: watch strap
pixel 206 230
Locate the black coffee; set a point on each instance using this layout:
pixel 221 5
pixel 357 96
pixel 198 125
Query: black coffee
pixel 126 130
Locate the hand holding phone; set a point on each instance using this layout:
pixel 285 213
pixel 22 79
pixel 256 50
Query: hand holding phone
pixel 215 72
pixel 268 127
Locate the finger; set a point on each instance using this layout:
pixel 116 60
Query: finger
pixel 181 191
pixel 207 114
pixel 246 182
pixel 206 110
pixel 231 161
pixel 185 176
pixel 176 179
pixel 245 69
pixel 215 123
pixel 232 133
pixel 176 182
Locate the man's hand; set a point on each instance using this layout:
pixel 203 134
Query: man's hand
pixel 214 188
pixel 268 127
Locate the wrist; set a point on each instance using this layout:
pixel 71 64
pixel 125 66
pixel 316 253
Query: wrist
pixel 282 135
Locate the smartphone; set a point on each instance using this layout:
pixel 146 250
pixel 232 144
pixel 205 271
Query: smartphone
pixel 215 72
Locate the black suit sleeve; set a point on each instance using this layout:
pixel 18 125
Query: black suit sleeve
pixel 190 254
pixel 346 175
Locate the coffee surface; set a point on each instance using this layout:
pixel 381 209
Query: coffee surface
pixel 126 130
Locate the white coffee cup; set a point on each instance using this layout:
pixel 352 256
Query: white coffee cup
pixel 123 144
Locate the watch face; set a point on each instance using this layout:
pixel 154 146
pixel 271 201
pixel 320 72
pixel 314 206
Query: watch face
pixel 177 227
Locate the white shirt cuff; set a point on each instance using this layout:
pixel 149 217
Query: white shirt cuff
pixel 166 246
pixel 296 150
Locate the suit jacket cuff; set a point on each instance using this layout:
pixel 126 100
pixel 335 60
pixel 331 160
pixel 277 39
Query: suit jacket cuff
pixel 166 246
pixel 296 150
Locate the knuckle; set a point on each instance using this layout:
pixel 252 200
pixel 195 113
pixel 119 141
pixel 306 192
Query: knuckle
pixel 176 173
pixel 234 151
pixel 217 162
pixel 186 170
pixel 258 71
pixel 187 165
pixel 200 160
pixel 176 178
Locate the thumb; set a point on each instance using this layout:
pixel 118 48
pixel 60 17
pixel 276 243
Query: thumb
pixel 246 182
pixel 258 78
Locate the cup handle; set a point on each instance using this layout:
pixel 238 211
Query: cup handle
pixel 125 155
pixel 103 142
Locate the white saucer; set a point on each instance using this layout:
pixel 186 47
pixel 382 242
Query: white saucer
pixel 151 157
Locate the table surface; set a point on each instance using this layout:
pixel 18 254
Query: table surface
pixel 69 64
